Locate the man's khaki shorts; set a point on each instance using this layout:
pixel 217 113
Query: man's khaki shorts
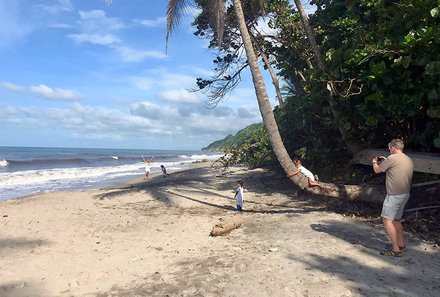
pixel 393 206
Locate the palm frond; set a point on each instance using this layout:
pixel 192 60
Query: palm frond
pixel 175 11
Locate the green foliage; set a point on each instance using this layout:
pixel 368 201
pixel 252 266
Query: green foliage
pixel 236 140
pixel 383 59
pixel 248 146
pixel 391 50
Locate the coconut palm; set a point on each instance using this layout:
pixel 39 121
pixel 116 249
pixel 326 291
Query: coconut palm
pixel 217 10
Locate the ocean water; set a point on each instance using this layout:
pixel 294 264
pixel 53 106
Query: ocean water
pixel 29 170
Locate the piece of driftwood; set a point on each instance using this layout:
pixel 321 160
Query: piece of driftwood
pixel 423 162
pixel 227 226
pixel 426 184
pixel 422 208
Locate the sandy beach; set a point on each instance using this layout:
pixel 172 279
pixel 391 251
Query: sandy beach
pixel 151 238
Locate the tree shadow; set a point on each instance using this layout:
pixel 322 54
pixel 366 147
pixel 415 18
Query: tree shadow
pixel 354 234
pixel 159 190
pixel 414 274
pixel 21 289
pixel 262 211
pixel 20 243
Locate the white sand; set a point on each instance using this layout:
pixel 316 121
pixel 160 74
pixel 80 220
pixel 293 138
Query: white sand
pixel 152 239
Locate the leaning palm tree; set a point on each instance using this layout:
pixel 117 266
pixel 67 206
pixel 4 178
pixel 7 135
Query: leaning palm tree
pixel 217 10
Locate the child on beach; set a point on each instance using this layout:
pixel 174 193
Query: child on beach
pixel 147 167
pixel 307 173
pixel 164 171
pixel 239 195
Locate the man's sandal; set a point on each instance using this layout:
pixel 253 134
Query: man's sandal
pixel 401 248
pixel 391 253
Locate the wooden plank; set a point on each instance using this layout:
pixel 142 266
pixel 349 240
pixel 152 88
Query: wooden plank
pixel 423 162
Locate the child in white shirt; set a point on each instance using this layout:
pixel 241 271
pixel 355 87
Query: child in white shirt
pixel 307 173
pixel 239 195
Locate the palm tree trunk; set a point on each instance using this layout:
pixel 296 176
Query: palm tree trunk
pixel 374 194
pixel 275 81
pixel 264 103
pixel 367 193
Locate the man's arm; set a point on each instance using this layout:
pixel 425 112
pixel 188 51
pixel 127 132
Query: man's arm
pixel 376 167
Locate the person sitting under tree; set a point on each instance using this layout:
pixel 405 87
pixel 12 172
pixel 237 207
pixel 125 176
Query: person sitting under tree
pixel 307 173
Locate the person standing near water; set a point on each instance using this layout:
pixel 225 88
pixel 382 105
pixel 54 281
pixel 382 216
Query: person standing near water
pixel 147 167
pixel 164 171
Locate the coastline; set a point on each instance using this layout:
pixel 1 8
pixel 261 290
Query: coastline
pixel 151 238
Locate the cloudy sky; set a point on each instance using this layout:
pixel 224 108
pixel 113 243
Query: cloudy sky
pixel 81 73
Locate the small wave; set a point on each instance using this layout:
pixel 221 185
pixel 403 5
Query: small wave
pixel 200 157
pixel 4 163
pixel 51 162
pixel 114 157
pixel 205 157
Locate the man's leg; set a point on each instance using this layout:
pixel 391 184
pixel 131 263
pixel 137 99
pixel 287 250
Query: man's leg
pixel 399 233
pixel 392 233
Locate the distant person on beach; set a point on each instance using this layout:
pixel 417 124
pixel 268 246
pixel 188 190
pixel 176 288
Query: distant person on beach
pixel 307 173
pixel 398 168
pixel 239 195
pixel 147 167
pixel 164 171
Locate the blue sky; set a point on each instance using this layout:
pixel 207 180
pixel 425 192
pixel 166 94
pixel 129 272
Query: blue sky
pixel 81 73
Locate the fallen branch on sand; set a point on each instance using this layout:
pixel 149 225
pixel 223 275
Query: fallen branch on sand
pixel 422 208
pixel 227 226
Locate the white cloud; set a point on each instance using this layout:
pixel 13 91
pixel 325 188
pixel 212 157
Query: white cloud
pixel 12 87
pixel 60 26
pixel 133 55
pixel 193 119
pixel 101 39
pixel 160 78
pixel 182 96
pixel 142 83
pixel 55 94
pixel 141 120
pixel 245 113
pixel 151 23
pixel 147 110
pixel 56 9
pixel 97 21
pixel 45 91
pixel 97 28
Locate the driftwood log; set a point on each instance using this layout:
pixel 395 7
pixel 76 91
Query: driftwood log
pixel 423 162
pixel 227 226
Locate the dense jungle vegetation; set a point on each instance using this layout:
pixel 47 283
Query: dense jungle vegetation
pixel 382 63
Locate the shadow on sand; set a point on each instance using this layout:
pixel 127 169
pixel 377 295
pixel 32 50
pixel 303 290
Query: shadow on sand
pixel 404 278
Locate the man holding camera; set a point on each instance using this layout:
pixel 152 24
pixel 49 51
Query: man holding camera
pixel 398 168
